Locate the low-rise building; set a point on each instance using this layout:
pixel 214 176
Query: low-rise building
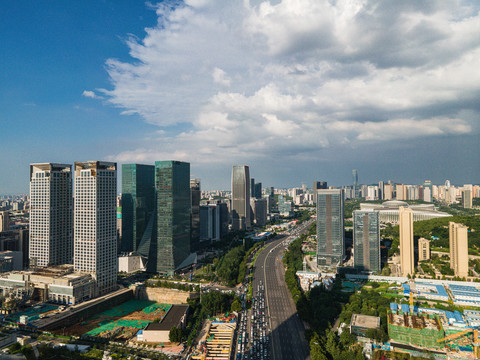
pixel 361 323
pixel 159 332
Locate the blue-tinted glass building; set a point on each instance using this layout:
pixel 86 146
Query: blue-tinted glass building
pixel 330 227
pixel 173 211
pixel 366 240
pixel 138 203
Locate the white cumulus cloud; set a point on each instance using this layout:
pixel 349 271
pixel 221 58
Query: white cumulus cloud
pixel 234 81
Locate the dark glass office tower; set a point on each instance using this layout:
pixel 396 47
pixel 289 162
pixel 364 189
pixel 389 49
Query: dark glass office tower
pixel 195 221
pixel 240 197
pixel 172 185
pixel 258 191
pixel 330 227
pixel 319 185
pixel 366 240
pixel 138 203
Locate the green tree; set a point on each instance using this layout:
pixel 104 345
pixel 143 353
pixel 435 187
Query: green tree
pixel 236 306
pixel 175 335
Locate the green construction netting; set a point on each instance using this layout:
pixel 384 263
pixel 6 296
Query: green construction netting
pixel 112 325
pixel 155 307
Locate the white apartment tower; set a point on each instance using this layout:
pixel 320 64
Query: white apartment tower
pixel 51 212
pixel 95 227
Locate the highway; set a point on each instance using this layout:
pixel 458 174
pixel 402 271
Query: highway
pixel 287 332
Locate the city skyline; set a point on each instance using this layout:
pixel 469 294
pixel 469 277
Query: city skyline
pixel 399 104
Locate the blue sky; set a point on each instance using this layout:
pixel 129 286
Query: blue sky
pixel 299 90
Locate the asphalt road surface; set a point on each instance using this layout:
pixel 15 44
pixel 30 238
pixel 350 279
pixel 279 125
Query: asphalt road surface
pixel 286 328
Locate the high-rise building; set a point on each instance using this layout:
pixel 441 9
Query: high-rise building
pixel 51 212
pixel 355 183
pixel 172 184
pixel 366 240
pixel 400 192
pixel 240 197
pixel 258 190
pixel 330 227
pixel 381 191
pixel 4 221
pixel 259 210
pixel 195 220
pixel 407 259
pixel 427 191
pixel 387 192
pixel 269 195
pixel 95 228
pixel 423 249
pixel 458 239
pixel 285 208
pixel 138 203
pixel 467 198
pixel 252 187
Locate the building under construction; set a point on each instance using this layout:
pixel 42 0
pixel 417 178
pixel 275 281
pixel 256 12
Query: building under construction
pixel 433 329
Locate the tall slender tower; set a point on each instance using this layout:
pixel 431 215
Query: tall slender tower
pixel 95 228
pixel 366 240
pixel 458 236
pixel 138 203
pixel 172 184
pixel 195 222
pixel 330 227
pixel 355 183
pixel 240 197
pixel 407 260
pixel 51 212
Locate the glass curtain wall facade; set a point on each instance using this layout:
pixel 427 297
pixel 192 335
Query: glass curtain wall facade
pixel 195 220
pixel 330 227
pixel 138 203
pixel 240 197
pixel 366 240
pixel 172 185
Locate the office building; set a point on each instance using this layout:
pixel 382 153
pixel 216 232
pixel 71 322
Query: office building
pixel 330 227
pixel 400 192
pixel 423 249
pixel 387 192
pixel 258 191
pixel 4 221
pixel 381 192
pixel 259 211
pixel 252 187
pixel 458 239
pixel 407 259
pixel 269 195
pixel 17 241
pixel 240 198
pixel 285 208
pixel 95 228
pixel 195 219
pixel 51 212
pixel 366 241
pixel 210 223
pixel 138 203
pixel 355 183
pixel 172 184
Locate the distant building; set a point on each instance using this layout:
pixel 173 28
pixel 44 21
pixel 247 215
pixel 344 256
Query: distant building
pixel 458 239
pixel 423 249
pixel 285 208
pixel 138 203
pixel 330 227
pixel 17 241
pixel 407 260
pixel 387 192
pixel 259 210
pixel 258 191
pixel 172 184
pixel 240 198
pixel 269 195
pixel 51 212
pixel 95 228
pixel 389 210
pixel 366 241
pixel 467 198
pixel 355 183
pixel 427 191
pixel 195 219
pixel 4 221
pixel 210 223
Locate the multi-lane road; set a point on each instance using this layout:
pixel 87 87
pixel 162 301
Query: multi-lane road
pixel 285 329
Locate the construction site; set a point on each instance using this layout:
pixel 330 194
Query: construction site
pixel 216 342
pixel 434 329
pixel 121 322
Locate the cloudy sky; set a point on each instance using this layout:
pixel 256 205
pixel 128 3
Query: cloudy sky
pixel 300 90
